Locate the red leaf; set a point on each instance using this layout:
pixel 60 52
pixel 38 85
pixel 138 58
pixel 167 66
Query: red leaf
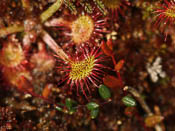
pixel 24 84
pixel 106 49
pixel 110 44
pixel 119 65
pixel 111 81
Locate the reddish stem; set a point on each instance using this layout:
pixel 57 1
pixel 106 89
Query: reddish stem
pixel 117 72
pixel 120 78
pixel 113 59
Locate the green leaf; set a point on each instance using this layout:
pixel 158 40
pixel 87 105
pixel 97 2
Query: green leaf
pixel 104 92
pixel 92 105
pixel 72 110
pixel 70 104
pixel 94 113
pixel 59 108
pixel 129 101
pixel 61 104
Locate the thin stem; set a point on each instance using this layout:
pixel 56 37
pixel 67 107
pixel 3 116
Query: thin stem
pixel 113 59
pixel 120 78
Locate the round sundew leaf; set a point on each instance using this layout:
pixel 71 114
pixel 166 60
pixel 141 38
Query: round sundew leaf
pixel 92 105
pixel 94 113
pixel 104 92
pixel 129 101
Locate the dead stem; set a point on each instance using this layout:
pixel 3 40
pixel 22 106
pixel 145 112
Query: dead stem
pixel 26 5
pixel 142 102
pixel 51 10
pixel 54 46
pixel 11 29
pixel 43 17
